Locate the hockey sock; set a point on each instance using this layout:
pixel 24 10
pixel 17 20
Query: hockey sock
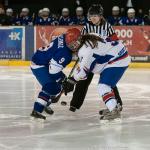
pixel 41 101
pixel 108 96
pixel 110 101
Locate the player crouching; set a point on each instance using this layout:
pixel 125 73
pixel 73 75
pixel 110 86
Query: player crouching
pixel 108 58
pixel 47 65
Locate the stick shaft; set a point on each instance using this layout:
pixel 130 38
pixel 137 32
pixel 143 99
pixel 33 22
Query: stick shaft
pixel 72 70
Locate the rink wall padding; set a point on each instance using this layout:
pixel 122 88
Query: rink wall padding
pixel 14 63
pixel 27 63
pixel 18 43
pixel 29 46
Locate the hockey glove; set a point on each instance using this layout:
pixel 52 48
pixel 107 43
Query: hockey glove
pixel 68 85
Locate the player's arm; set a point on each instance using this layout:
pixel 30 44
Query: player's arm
pixel 84 66
pixel 85 60
pixel 81 71
pixel 111 33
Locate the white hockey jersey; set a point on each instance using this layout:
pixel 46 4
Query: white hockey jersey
pixel 107 54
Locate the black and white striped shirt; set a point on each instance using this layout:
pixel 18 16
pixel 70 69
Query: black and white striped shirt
pixel 105 29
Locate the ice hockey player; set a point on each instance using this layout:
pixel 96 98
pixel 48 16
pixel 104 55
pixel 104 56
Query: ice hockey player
pixel 131 19
pixel 65 18
pixel 24 19
pixel 115 18
pixel 108 58
pixel 80 19
pixel 47 65
pixel 45 18
pixel 98 25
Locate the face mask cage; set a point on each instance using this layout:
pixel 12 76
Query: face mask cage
pixel 75 45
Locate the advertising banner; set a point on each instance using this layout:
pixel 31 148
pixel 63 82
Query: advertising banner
pixel 135 38
pixel 44 34
pixel 137 41
pixel 12 43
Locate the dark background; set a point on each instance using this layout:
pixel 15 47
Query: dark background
pixel 56 5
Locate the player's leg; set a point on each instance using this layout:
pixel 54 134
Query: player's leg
pixel 49 89
pixel 108 79
pixel 80 93
pixel 108 96
pixel 119 101
pixel 117 95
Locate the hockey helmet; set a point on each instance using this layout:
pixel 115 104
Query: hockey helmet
pixel 73 38
pixel 115 8
pixel 25 10
pixel 131 10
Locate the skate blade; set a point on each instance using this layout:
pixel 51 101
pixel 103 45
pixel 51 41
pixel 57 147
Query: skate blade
pixel 112 121
pixel 37 119
pixel 49 112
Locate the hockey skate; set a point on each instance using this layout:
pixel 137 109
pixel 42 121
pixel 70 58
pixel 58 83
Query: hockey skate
pixel 105 111
pixel 114 114
pixel 49 110
pixel 37 115
pixel 73 109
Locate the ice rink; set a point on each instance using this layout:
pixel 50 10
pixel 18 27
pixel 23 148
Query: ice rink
pixel 65 130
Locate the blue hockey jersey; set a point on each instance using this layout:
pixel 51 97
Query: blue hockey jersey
pixel 47 21
pixel 80 20
pixel 66 21
pixel 56 55
pixel 24 21
pixel 134 21
pixel 114 20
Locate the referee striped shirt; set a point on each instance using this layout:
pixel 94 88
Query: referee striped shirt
pixel 105 29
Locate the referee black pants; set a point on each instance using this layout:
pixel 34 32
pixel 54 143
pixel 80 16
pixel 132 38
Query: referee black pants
pixel 81 90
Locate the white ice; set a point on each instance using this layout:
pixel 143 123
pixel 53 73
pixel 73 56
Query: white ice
pixel 65 130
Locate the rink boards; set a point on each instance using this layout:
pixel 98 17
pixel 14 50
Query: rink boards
pixel 27 63
pixel 18 43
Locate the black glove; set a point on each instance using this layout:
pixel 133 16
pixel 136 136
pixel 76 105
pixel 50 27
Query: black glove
pixel 68 85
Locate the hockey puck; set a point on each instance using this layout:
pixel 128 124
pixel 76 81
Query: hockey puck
pixel 63 103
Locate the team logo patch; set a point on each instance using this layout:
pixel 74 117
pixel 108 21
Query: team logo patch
pixel 104 33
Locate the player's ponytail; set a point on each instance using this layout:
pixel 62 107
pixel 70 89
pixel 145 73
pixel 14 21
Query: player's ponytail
pixel 90 39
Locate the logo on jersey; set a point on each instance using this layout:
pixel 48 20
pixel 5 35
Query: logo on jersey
pixel 62 60
pixel 60 42
pixel 104 33
pixel 46 48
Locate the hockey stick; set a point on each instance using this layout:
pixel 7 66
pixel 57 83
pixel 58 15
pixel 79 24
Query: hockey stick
pixel 58 98
pixel 70 74
pixel 72 70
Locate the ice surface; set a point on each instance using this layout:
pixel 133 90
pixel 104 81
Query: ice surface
pixel 73 131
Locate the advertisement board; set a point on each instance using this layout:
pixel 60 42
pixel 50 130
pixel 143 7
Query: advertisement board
pixel 12 43
pixel 135 38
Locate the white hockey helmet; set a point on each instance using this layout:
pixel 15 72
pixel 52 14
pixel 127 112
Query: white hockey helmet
pixel 40 11
pixel 9 10
pixel 131 10
pixel 46 10
pixel 79 9
pixel 25 10
pixel 65 10
pixel 115 8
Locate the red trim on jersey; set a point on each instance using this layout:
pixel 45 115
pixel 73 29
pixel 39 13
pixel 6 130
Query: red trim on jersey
pixel 114 37
pixel 123 57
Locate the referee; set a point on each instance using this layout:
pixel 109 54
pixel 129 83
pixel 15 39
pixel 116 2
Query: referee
pixel 98 25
